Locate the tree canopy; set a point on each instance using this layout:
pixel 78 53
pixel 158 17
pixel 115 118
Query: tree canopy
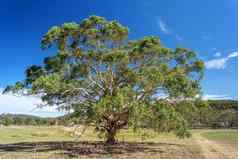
pixel 113 82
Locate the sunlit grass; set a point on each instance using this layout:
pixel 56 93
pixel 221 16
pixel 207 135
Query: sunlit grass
pixel 225 137
pixel 55 142
pixel 30 134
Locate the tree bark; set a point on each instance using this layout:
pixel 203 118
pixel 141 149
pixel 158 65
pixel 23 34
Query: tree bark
pixel 115 123
pixel 111 133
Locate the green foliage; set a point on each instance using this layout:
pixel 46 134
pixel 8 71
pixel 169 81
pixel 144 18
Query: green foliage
pixel 112 82
pixel 211 113
pixel 223 104
pixel 224 113
pixel 11 119
pixel 197 113
pixel 7 121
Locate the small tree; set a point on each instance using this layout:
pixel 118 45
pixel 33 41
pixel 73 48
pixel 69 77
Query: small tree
pixel 7 120
pixel 111 81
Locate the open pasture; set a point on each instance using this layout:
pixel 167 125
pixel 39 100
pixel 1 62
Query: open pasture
pixel 58 142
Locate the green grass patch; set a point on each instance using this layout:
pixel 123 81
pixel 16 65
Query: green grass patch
pixel 221 135
pixel 228 138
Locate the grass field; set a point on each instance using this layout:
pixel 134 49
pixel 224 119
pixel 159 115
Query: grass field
pixel 224 137
pixel 57 143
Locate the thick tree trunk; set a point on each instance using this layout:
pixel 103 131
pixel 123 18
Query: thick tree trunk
pixel 111 136
pixel 114 123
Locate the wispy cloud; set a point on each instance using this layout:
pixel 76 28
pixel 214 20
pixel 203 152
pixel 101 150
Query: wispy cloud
pixel 10 103
pixel 216 97
pixel 206 37
pixel 214 49
pixel 216 63
pixel 220 63
pixel 163 26
pixel 166 29
pixel 178 37
pixel 217 54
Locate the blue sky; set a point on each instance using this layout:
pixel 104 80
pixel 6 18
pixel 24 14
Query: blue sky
pixel 208 27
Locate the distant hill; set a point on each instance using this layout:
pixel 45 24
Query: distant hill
pixel 223 104
pixel 4 115
pixel 23 119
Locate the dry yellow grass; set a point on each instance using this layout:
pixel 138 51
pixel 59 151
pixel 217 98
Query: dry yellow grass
pixel 56 143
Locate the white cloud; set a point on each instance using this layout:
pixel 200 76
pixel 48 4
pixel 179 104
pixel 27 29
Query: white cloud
pixel 220 63
pixel 216 63
pixel 166 30
pixel 232 55
pixel 217 54
pixel 163 26
pixel 216 97
pixel 10 103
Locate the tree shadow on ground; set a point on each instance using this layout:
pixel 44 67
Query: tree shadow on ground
pixel 74 149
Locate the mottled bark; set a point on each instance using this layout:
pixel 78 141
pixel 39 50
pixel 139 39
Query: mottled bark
pixel 114 123
pixel 111 133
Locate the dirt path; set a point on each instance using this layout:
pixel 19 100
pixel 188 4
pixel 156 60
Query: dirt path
pixel 214 150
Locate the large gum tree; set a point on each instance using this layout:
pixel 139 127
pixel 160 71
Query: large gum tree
pixel 112 82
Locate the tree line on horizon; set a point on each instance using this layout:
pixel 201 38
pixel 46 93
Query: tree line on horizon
pixel 25 120
pixel 218 114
